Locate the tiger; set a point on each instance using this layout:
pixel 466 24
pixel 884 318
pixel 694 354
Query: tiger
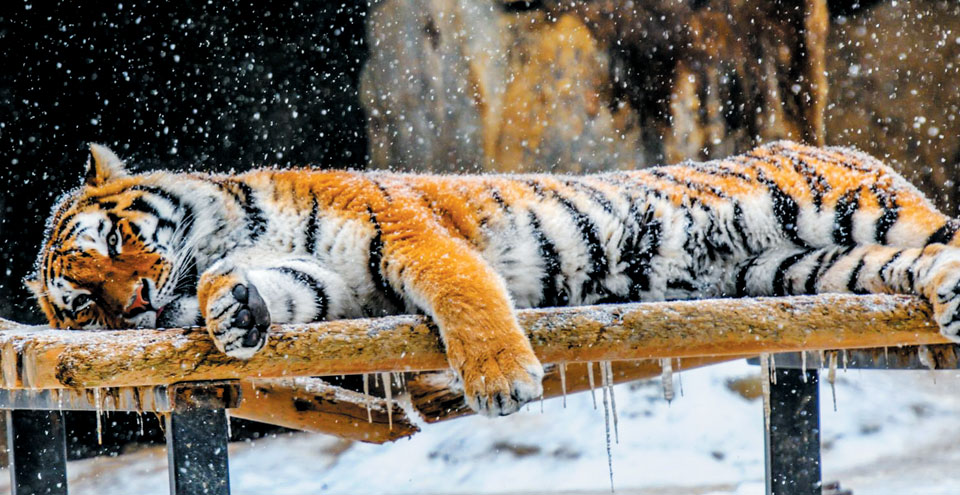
pixel 237 253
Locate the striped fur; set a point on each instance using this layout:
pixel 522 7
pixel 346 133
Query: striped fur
pixel 289 246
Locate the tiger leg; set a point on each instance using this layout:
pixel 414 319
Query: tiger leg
pixel 468 300
pixel 241 295
pixel 932 272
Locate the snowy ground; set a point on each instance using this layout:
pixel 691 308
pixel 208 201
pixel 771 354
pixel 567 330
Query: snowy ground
pixel 894 432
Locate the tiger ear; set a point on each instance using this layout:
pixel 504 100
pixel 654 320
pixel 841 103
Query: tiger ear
pixel 104 166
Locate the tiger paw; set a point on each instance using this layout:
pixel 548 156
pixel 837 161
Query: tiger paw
pixel 237 316
pixel 498 383
pixel 943 292
pixel 946 308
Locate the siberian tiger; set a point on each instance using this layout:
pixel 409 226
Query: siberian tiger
pixel 237 253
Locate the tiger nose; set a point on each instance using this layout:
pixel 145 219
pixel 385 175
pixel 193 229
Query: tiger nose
pixel 139 301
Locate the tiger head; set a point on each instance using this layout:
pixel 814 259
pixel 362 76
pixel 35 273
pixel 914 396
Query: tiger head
pixel 109 259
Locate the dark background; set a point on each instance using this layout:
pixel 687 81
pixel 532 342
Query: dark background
pixel 178 85
pixel 173 85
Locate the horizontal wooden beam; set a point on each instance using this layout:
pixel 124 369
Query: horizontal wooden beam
pixel 32 358
pixel 311 404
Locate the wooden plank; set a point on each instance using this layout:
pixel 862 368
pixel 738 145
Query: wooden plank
pixel 722 327
pixel 310 404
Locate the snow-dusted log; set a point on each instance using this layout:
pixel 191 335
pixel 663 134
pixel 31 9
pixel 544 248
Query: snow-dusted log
pixel 311 404
pixel 34 358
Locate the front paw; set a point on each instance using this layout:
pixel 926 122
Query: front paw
pixel 238 318
pixel 499 382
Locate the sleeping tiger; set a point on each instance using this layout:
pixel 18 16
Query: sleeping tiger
pixel 237 253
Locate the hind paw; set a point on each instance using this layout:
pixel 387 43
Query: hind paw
pixel 945 298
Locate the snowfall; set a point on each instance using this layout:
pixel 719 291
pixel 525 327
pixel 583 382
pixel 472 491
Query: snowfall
pixel 893 432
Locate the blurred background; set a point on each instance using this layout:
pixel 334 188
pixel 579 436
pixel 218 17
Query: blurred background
pixel 465 85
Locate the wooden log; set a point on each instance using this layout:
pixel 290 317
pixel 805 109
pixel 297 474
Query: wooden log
pixel 722 327
pixel 311 404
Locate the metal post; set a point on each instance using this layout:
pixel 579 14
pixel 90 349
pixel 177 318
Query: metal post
pixel 37 445
pixel 197 452
pixel 792 439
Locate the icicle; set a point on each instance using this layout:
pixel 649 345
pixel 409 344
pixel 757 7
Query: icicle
pixel 229 430
pixel 388 393
pixel 765 387
pixel 926 358
pixel 608 368
pixel 844 360
pixel 96 398
pixel 823 359
pixel 606 421
pixel 773 369
pixel 366 396
pixel 666 378
pixel 832 378
pixel 398 379
pixel 376 379
pixel 680 375
pixel 562 368
pixel 803 366
pixel 886 356
pixel 140 420
pixel 592 383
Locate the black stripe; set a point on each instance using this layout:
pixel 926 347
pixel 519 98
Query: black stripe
pixel 944 234
pixel 141 205
pixel 815 182
pixel 741 285
pixel 853 282
pixel 596 195
pixel 256 221
pixel 810 286
pixel 590 235
pixel 679 284
pixel 550 294
pixel 186 211
pixel 739 228
pixel 311 282
pixel 886 264
pixel 638 252
pixel 779 282
pixel 311 235
pixel 889 216
pixel 846 206
pixel 785 209
pixel 375 266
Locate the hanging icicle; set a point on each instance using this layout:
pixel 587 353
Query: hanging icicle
pixel 608 371
pixel 666 378
pixel 765 387
pixel 593 392
pixel 832 377
pixel 606 421
pixel 562 369
pixel 366 396
pixel 388 394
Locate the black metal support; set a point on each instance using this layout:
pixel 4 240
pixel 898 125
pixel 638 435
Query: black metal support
pixel 792 439
pixel 36 441
pixel 197 452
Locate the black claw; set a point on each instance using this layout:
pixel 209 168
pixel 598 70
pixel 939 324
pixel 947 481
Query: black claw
pixel 252 338
pixel 243 318
pixel 240 293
